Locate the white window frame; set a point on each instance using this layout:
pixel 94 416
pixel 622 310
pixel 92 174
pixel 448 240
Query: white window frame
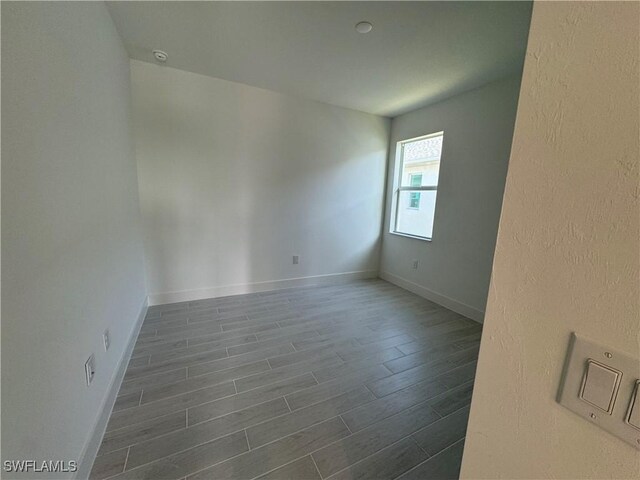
pixel 397 187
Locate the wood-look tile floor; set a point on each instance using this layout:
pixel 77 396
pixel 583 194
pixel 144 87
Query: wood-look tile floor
pixel 357 381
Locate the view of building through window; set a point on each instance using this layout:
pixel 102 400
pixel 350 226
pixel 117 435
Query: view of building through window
pixel 417 186
pixel 416 181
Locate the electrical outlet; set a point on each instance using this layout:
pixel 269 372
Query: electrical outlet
pixel 106 338
pixel 90 369
pixel 296 259
pixel 415 264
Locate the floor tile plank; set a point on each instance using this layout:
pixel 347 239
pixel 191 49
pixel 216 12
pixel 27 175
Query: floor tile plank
pixel 237 360
pixel 361 417
pixel 302 469
pixel 139 432
pixel 443 433
pixel 180 464
pixel 288 371
pixel 297 420
pixel 108 465
pixel 127 400
pixel 444 466
pixel 331 388
pixel 203 347
pixel 273 455
pixel 360 445
pixel 204 432
pixel 452 400
pixel 169 405
pixel 389 463
pixel 152 394
pixel 246 399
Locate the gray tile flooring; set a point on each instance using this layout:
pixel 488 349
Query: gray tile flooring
pixel 357 381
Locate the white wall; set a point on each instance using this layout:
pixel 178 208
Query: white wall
pixel 455 267
pixel 235 180
pixel 567 256
pixel 72 261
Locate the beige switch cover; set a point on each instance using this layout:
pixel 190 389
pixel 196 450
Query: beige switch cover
pixel 633 418
pixel 600 385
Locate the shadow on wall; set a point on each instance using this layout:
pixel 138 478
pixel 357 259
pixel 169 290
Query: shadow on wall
pixel 230 203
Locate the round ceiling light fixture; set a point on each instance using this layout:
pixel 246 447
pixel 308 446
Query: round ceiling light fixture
pixel 363 27
pixel 160 56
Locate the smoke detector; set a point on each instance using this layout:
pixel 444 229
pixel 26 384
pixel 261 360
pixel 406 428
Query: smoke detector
pixel 363 27
pixel 160 56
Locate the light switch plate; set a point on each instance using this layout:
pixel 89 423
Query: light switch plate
pixel 581 352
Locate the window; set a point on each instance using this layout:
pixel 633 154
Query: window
pixel 417 185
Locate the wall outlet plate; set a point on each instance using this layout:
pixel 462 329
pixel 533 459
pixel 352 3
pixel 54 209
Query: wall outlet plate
pixel 106 339
pixel 296 259
pixel 581 352
pixel 90 369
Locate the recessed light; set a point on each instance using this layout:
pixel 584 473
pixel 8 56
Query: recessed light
pixel 160 56
pixel 363 27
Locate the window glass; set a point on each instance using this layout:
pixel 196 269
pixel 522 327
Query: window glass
pixel 418 185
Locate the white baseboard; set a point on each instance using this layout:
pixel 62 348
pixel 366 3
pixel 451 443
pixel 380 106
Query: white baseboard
pixel 239 289
pixel 458 307
pixel 93 445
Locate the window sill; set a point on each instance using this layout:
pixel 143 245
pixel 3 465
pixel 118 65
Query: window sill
pixel 415 237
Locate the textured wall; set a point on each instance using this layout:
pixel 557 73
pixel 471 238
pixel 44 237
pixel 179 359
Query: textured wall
pixel 567 256
pixel 72 260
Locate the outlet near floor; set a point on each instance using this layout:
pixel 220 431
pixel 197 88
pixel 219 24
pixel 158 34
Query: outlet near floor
pixel 90 369
pixel 106 339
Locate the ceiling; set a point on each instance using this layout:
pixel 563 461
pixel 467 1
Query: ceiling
pixel 416 54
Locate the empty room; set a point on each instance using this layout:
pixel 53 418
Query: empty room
pixel 320 240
